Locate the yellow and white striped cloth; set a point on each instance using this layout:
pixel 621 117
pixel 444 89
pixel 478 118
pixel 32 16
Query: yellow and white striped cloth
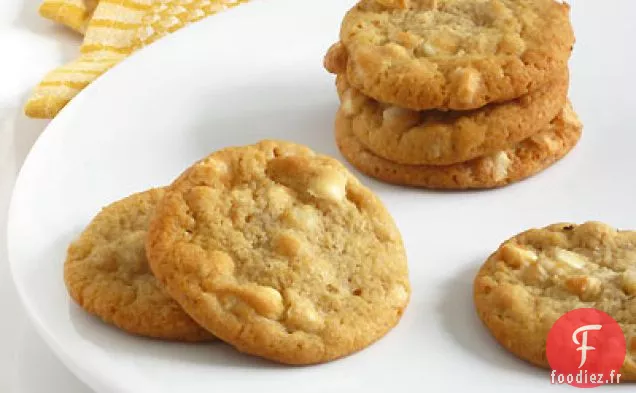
pixel 72 13
pixel 113 29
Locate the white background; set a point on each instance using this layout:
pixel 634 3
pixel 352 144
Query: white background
pixel 29 47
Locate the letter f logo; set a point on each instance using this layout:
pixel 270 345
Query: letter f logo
pixel 583 344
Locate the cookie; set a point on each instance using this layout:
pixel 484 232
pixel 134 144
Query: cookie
pixel 280 252
pixel 454 54
pixel 528 158
pixel 444 138
pixel 106 273
pixel 538 276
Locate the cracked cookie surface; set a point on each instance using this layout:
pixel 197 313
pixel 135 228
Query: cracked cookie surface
pixel 444 138
pixel 280 252
pixel 453 54
pixel 539 275
pixel 106 272
pixel 525 159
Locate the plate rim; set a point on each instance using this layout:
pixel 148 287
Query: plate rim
pixel 88 375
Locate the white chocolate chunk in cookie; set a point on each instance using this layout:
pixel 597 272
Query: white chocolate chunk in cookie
pixel 219 166
pixel 302 314
pixel 535 274
pixel 426 49
pixel 569 258
pixel 266 301
pixel 352 102
pixel 302 217
pixel 407 39
pixel 394 116
pixel 328 184
pixel 399 295
pixel 585 287
pixel 516 256
pixel 501 163
pixel 396 51
pixel 467 82
pixel 550 142
pixel 279 198
pixel 347 103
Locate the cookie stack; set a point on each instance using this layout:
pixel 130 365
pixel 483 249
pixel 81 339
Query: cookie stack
pixel 278 251
pixel 454 94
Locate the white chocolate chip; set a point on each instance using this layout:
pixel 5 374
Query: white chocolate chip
pixel 302 217
pixel 585 287
pixel 393 112
pixel 279 198
pixel 406 39
pixel 549 265
pixel 572 259
pixel 347 103
pixel 220 167
pixel 352 102
pixel 550 142
pixel 517 257
pixel 394 116
pixel 394 50
pixel 399 296
pixel 467 82
pixel 266 301
pixel 629 282
pixel 535 274
pixel 328 184
pixel 473 82
pixel 501 163
pixel 428 49
pixel 302 313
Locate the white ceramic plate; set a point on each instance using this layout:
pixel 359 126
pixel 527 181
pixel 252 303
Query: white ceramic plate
pixel 256 72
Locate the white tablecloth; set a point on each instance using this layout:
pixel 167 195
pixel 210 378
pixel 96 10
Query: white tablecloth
pixel 29 48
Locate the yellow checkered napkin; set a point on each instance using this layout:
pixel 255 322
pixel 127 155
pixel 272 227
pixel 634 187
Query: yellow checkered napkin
pixel 117 29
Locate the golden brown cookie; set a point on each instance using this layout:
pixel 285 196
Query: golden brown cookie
pixel 107 274
pixel 538 276
pixel 281 252
pixel 526 159
pixel 454 54
pixel 444 138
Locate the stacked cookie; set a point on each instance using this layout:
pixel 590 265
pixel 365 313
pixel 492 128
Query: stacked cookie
pixel 276 250
pixel 454 94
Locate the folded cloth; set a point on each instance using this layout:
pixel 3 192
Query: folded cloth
pixel 72 13
pixel 117 29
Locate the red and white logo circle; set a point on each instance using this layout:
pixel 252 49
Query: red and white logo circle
pixel 586 348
